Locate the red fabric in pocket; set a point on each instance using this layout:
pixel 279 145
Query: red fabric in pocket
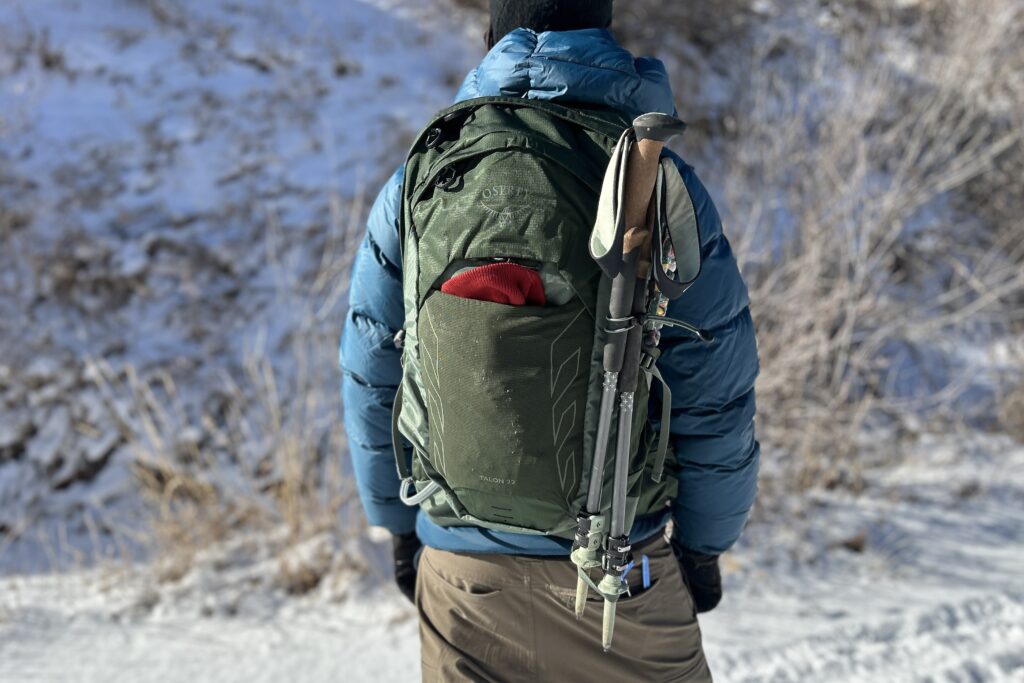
pixel 501 283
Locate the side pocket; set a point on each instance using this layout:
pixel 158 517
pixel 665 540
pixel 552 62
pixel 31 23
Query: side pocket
pixel 677 606
pixel 406 476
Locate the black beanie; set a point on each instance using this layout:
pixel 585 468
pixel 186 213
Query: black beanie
pixel 548 15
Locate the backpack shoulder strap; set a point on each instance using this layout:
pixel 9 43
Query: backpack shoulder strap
pixel 608 122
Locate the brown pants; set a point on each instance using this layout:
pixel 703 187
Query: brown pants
pixel 505 618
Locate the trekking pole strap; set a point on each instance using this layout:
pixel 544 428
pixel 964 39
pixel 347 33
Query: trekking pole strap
pixel 606 592
pixel 585 577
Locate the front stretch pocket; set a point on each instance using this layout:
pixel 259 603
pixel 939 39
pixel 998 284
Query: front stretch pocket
pixel 506 391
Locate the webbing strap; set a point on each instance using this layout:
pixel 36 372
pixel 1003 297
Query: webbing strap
pixel 620 588
pixel 407 481
pixel 666 418
pixel 583 574
pixel 396 438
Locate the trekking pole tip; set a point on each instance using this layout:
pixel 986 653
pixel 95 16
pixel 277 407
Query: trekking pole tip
pixel 581 598
pixel 608 625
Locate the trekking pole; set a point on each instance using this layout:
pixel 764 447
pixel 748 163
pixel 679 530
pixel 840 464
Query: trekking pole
pixel 606 249
pixel 652 132
pixel 592 525
pixel 621 361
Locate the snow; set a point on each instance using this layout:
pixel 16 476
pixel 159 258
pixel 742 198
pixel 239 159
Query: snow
pixel 935 593
pixel 371 639
pixel 148 148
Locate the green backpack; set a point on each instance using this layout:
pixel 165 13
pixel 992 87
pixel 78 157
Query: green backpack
pixel 500 402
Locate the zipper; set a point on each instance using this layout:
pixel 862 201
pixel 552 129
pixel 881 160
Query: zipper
pixel 475 262
pixel 441 165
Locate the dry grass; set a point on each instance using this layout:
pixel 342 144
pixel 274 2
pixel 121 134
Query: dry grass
pixel 265 449
pixel 1011 401
pixel 869 272
pixel 1011 412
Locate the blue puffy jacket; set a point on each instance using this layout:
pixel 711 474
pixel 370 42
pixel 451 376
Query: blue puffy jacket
pixel 712 385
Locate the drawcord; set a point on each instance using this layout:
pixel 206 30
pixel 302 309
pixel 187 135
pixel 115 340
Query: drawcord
pixel 620 325
pixel 703 335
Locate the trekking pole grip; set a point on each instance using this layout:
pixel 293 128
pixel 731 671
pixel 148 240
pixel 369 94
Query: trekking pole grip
pixel 652 132
pixel 643 170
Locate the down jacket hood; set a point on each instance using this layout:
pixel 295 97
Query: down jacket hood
pixel 585 66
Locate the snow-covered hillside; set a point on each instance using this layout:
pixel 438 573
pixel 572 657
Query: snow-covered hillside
pixel 181 186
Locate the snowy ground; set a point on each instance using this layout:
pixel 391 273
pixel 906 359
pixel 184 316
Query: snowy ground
pixel 887 587
pixel 916 580
pixel 146 146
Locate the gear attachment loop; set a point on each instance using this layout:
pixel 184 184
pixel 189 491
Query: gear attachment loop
pixel 446 178
pixel 433 138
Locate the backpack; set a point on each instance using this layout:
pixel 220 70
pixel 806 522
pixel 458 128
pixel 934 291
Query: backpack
pixel 499 402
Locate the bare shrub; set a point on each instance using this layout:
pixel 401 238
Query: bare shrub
pixel 264 449
pixel 304 566
pixel 865 278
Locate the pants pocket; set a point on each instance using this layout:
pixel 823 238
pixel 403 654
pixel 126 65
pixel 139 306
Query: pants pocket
pixel 474 625
pixel 470 584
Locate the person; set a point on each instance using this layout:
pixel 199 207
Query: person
pixel 498 606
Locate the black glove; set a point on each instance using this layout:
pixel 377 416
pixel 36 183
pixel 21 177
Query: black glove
pixel 405 547
pixel 702 576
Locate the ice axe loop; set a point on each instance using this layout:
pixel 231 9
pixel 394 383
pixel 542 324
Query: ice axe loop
pixel 622 245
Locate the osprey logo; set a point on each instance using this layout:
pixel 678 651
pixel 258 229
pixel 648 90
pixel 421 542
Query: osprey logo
pixel 506 202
